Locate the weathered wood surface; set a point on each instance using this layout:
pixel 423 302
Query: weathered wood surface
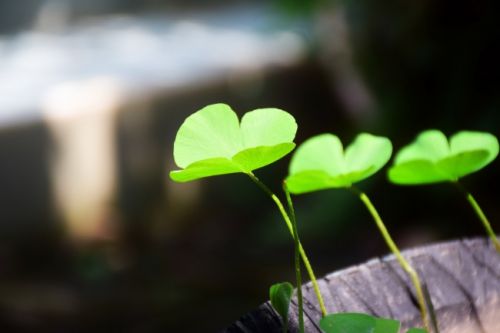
pixel 463 278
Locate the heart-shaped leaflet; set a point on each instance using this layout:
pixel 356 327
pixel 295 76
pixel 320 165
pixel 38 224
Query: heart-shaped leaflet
pixel 321 162
pixel 212 141
pixel 431 158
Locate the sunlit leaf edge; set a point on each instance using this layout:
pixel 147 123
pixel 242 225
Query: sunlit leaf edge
pixel 401 173
pixel 310 180
pixel 317 180
pixel 201 169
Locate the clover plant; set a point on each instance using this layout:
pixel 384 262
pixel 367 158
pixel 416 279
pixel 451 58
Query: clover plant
pixel 321 163
pixel 432 158
pixel 212 142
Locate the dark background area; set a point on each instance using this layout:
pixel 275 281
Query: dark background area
pixel 194 257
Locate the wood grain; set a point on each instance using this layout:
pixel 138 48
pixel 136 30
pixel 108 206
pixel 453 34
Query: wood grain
pixel 463 279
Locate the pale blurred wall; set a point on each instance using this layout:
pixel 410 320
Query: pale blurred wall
pixel 99 236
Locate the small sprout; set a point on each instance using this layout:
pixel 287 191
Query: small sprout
pixel 280 295
pixel 321 163
pixel 213 142
pixel 432 159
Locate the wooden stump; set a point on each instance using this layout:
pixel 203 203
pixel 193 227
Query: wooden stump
pixel 463 278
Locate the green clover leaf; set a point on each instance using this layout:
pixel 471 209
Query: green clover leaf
pixel 320 162
pixel 431 158
pixel 385 325
pixel 212 141
pixel 348 323
pixel 361 323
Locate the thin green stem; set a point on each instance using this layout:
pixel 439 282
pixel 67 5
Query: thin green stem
pixel 395 250
pixel 288 223
pixel 298 275
pixel 480 214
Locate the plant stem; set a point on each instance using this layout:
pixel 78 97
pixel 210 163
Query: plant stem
pixel 480 214
pixel 298 275
pixel 395 250
pixel 288 223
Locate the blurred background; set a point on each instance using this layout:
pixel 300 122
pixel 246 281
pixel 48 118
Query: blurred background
pixel 93 234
